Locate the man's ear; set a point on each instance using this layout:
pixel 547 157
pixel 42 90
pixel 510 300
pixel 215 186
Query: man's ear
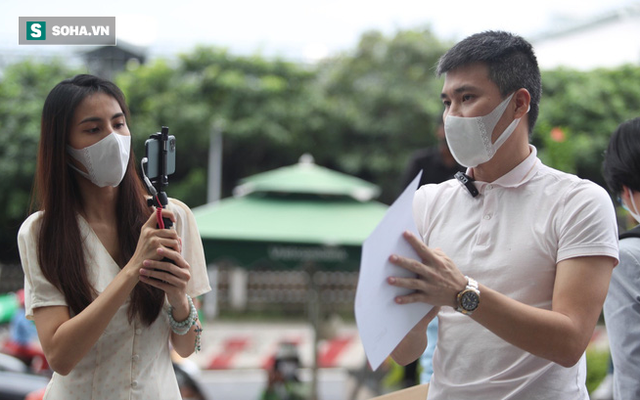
pixel 523 101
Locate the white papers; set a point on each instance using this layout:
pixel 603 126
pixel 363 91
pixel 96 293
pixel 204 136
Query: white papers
pixel 382 323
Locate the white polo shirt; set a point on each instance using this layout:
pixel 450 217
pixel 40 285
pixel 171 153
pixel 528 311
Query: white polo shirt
pixel 510 238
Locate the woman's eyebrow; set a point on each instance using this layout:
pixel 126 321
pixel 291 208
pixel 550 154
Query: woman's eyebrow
pixel 96 119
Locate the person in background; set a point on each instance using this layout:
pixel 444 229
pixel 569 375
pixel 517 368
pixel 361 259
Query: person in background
pixel 621 171
pixel 109 291
pixel 284 382
pixel 23 338
pixel 516 257
pixel 436 163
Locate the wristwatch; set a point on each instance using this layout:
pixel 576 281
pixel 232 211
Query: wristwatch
pixel 469 297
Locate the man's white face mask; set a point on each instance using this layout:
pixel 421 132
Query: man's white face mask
pixel 469 138
pixel 105 161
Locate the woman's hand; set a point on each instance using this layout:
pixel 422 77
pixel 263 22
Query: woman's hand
pixel 158 262
pixel 151 239
pixel 170 274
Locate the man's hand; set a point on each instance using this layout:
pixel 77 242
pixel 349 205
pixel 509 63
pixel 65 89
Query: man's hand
pixel 437 281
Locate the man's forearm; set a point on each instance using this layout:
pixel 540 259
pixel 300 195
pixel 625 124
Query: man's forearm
pixel 415 342
pixel 561 334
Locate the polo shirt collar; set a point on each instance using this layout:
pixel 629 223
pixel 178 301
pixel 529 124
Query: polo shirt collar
pixel 519 175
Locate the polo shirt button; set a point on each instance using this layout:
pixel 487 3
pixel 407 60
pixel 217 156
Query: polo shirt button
pixel 138 331
pixel 135 357
pixel 487 216
pixel 489 187
pixel 134 384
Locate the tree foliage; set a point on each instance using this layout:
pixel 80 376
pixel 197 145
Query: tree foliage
pixel 362 112
pixel 587 107
pixel 387 99
pixel 23 89
pixel 265 110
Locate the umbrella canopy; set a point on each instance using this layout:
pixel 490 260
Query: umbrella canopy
pixel 308 178
pixel 292 215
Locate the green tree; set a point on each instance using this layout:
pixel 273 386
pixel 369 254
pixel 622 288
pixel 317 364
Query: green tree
pixel 588 106
pixel 266 110
pixel 362 112
pixel 387 99
pixel 23 89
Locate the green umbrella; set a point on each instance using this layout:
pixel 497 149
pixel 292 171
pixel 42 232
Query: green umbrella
pixel 290 216
pixel 308 178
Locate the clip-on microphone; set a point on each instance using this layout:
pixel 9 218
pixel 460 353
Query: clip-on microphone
pixel 466 181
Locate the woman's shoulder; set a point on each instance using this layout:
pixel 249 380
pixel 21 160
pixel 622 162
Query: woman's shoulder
pixel 182 211
pixel 179 204
pixel 31 224
pixel 180 208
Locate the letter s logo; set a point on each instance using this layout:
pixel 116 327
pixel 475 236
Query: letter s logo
pixel 35 30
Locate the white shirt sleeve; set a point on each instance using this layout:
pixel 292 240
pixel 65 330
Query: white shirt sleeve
pixel 587 224
pixel 192 249
pixel 38 291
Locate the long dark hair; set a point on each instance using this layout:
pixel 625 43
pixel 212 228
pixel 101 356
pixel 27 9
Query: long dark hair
pixel 60 256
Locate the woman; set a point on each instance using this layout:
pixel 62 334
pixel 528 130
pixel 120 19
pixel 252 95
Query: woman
pixel 621 170
pixel 105 304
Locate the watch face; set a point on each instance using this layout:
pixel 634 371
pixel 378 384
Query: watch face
pixel 469 300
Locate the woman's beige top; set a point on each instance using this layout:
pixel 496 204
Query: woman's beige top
pixel 129 361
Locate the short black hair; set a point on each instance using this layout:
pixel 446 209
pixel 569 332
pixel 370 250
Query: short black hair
pixel 621 166
pixel 511 61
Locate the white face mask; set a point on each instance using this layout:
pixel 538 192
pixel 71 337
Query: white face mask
pixel 106 161
pixel 469 138
pixel 636 214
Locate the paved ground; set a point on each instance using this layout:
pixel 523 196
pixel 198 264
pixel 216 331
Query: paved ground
pixel 235 354
pixel 250 345
pixel 253 345
pixel 247 384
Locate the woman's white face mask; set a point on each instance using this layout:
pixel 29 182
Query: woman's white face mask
pixel 106 161
pixel 469 138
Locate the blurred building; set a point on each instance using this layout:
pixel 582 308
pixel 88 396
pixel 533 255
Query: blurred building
pixel 607 40
pixel 107 61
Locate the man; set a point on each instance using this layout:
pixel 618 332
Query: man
pixel 517 263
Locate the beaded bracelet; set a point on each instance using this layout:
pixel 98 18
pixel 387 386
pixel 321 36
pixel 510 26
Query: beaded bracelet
pixel 198 345
pixel 181 328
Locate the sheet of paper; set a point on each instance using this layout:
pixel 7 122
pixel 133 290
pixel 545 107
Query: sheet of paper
pixel 382 323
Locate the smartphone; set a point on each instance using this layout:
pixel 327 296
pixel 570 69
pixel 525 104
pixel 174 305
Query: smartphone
pixel 152 152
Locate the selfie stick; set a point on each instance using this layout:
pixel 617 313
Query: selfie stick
pixel 156 186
